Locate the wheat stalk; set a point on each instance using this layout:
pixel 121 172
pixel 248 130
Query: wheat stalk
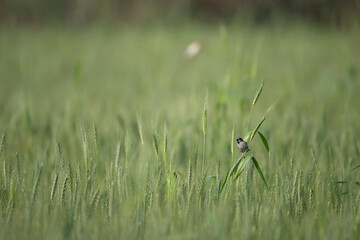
pixel 117 156
pixel 165 142
pixel 204 124
pixel 110 204
pixel 127 148
pixel 35 187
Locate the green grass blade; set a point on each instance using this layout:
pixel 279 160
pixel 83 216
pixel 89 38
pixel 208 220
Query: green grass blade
pixel 225 180
pixel 242 167
pixel 272 106
pixel 262 120
pixel 230 172
pixel 36 187
pixel 259 171
pixel 258 93
pixel 247 136
pixel 78 74
pixel 341 182
pixel 238 175
pixel 235 166
pixel 233 140
pixel 346 182
pixel 265 142
pixel 355 168
pixel 257 128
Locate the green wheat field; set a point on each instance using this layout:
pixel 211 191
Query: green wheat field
pixel 110 133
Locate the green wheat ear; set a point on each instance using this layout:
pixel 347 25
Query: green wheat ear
pixel 204 129
pixel 140 127
pixel 117 156
pixel 54 185
pixel 96 138
pixel 3 140
pixel 36 187
pixel 190 175
pixel 84 147
pixel 205 112
pixel 63 192
pixel 155 144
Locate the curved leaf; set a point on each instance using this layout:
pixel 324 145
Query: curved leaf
pixel 225 180
pixel 262 120
pixel 257 127
pixel 265 142
pixel 258 93
pixel 247 136
pixel 260 172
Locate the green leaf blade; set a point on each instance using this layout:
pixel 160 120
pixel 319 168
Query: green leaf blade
pixel 262 120
pixel 265 142
pixel 232 140
pixel 257 128
pixel 258 93
pixel 225 180
pixel 260 172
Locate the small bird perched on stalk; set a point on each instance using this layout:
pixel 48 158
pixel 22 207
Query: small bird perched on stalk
pixel 242 145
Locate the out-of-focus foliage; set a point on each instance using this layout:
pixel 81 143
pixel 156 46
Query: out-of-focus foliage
pixel 105 133
pixel 335 12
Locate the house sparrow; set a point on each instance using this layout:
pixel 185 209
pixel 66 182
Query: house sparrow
pixel 242 145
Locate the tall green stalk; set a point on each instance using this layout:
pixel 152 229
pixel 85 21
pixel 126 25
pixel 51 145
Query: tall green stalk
pixel 254 102
pixel 204 130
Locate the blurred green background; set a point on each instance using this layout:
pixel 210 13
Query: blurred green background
pixel 79 12
pixel 102 119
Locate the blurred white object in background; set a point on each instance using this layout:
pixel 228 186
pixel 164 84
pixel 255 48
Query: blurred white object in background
pixel 192 50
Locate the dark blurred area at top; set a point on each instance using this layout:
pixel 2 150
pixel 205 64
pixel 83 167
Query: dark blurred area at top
pixel 339 13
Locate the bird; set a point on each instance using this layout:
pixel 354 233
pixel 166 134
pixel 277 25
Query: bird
pixel 242 145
